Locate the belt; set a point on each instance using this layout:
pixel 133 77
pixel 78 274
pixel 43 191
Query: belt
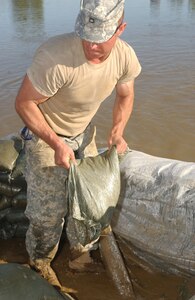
pixel 65 136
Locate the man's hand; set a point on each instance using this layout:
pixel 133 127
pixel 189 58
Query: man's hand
pixel 63 155
pixel 120 143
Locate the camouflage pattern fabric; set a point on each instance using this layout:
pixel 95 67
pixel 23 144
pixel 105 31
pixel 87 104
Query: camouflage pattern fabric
pixel 46 194
pixel 97 20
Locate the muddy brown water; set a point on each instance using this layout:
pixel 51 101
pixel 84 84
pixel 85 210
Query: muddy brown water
pixel 162 124
pixel 148 283
pixel 163 36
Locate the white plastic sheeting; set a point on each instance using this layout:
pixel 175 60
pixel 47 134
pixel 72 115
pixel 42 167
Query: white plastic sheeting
pixel 156 210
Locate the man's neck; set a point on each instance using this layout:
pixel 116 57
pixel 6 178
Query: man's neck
pixel 98 60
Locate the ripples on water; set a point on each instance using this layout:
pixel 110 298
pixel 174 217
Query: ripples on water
pixel 163 36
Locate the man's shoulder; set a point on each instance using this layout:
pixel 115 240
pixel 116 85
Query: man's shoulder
pixel 60 42
pixel 125 51
pixel 123 45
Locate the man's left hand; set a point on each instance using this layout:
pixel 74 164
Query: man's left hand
pixel 121 144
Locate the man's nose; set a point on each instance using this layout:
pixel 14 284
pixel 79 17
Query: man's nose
pixel 93 45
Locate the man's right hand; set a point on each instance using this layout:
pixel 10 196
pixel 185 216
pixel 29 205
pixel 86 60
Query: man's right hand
pixel 63 155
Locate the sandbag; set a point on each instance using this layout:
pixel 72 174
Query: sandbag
pixel 13 223
pixel 11 230
pixel 5 176
pixel 9 190
pixel 13 188
pixel 19 182
pixel 9 151
pixel 156 210
pixel 16 216
pixel 5 202
pixel 7 230
pixel 20 200
pixel 93 189
pixel 21 230
pixel 19 282
pixel 4 212
pixel 20 164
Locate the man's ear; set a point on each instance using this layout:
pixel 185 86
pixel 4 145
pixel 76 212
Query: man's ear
pixel 121 29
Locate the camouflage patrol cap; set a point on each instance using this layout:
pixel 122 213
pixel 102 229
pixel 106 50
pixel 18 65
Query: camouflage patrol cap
pixel 97 20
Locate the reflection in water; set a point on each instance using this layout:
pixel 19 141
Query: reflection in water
pixel 192 6
pixel 155 7
pixel 176 2
pixel 161 32
pixel 27 16
pixel 154 3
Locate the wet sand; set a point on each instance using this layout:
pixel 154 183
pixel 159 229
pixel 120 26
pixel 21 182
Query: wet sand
pixel 148 283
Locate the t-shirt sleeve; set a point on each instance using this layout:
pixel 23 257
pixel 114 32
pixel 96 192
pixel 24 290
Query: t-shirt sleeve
pixel 44 73
pixel 132 66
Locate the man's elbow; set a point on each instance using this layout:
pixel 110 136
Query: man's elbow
pixel 19 106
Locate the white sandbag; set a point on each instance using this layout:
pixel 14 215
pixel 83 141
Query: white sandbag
pixel 156 209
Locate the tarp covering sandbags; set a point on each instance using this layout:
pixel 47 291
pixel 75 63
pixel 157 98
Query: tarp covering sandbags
pixel 13 222
pixel 156 210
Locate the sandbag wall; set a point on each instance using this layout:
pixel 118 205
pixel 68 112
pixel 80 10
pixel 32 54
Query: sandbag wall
pixel 13 222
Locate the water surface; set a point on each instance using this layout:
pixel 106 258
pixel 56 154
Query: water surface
pixel 163 36
pixel 162 32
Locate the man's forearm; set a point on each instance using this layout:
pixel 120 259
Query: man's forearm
pixel 123 107
pixel 121 113
pixel 35 121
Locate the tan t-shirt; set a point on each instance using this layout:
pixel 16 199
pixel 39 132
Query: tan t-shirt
pixel 74 86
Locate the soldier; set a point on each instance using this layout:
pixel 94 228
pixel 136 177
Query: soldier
pixel 70 76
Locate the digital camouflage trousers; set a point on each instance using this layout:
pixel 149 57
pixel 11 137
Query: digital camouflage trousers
pixel 46 194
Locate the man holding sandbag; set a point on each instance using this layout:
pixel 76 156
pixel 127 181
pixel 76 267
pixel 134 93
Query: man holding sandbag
pixel 71 74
